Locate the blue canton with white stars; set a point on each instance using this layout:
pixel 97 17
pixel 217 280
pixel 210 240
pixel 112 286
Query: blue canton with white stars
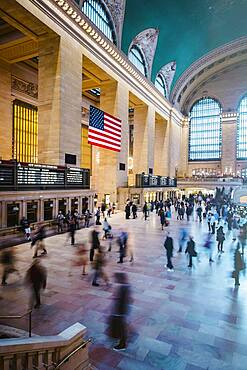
pixel 96 118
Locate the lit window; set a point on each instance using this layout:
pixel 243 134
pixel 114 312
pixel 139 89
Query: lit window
pixel 137 58
pixel 205 130
pixel 97 13
pixel 242 130
pixel 25 132
pixel 160 84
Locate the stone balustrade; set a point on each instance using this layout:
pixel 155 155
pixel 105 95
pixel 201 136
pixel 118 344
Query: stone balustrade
pixel 46 352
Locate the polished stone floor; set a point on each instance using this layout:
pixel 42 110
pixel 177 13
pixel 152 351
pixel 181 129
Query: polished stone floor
pixel 182 320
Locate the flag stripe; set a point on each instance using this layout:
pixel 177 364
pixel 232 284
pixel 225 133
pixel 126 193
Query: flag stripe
pixel 112 132
pixel 113 118
pixel 106 147
pixel 104 142
pixel 109 124
pixel 105 137
pixel 113 123
pixel 106 133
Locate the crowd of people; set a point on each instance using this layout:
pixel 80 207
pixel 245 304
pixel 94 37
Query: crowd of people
pixel 216 212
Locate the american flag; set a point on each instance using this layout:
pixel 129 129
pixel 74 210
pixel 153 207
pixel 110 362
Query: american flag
pixel 104 130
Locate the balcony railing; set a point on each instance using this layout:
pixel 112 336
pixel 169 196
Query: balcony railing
pixel 31 176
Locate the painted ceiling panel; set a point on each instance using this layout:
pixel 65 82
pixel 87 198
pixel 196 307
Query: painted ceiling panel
pixel 188 28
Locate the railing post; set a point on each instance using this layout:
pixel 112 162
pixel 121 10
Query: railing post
pixel 30 324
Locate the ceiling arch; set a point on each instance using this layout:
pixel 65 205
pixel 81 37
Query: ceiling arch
pixel 188 29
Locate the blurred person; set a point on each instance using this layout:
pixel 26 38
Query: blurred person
pixel 220 237
pixel 242 238
pixel 162 218
pixel 109 210
pixel 98 266
pixel 127 211
pixel 235 227
pixel 25 226
pixel 72 230
pixel 182 239
pixel 106 229
pixel 87 217
pixel 199 212
pixel 36 277
pixel 122 242
pixel 118 318
pixel 208 245
pixel 76 217
pixel 97 215
pixel 134 210
pixel 208 218
pixel 81 258
pixel 212 224
pixel 95 244
pixel 145 211
pixel 103 209
pixel 60 221
pixel 113 208
pixel 8 264
pixel 238 265
pixel 168 244
pixel 190 250
pixel 38 241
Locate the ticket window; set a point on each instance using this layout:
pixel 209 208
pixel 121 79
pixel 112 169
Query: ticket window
pixel 62 204
pixel 13 214
pixel 48 210
pixel 74 205
pixel 32 211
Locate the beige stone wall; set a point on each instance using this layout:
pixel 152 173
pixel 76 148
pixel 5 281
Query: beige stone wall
pixel 175 146
pixel 60 84
pixel 5 111
pixel 160 147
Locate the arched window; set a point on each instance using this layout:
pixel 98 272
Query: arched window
pixel 137 58
pixel 242 129
pixel 97 13
pixel 205 130
pixel 160 84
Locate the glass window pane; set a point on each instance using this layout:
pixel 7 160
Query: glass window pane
pixel 136 57
pixel 205 130
pixel 160 84
pixel 242 130
pixel 96 12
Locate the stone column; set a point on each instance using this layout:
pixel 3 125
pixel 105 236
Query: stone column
pixel 41 208
pixel 161 147
pixel 106 176
pixel 144 132
pixel 6 112
pixel 229 140
pixel 183 166
pixel 175 139
pixel 60 89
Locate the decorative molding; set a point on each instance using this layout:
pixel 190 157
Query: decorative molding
pixel 218 56
pixel 90 37
pixel 228 117
pixel 117 11
pixel 168 71
pixel 147 42
pixel 24 87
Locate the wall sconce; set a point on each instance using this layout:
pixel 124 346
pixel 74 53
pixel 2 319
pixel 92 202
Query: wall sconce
pixel 51 205
pixel 15 209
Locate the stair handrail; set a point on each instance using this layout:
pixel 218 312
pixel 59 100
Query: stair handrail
pixel 29 313
pixel 67 357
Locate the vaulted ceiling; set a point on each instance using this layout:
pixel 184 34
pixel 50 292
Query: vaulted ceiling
pixel 188 28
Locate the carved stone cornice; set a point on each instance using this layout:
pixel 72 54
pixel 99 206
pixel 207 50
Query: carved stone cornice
pixel 117 11
pixel 25 87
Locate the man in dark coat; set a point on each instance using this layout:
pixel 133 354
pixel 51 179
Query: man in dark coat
pixel 95 244
pixel 36 278
pixel 169 251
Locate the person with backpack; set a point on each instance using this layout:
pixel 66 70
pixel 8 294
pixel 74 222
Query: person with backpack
pixel 122 242
pixel 97 215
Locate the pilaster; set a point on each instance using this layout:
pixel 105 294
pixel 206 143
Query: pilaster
pixel 6 112
pixel 229 140
pixel 60 89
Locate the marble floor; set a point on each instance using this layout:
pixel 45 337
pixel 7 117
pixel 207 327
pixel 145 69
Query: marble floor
pixel 182 320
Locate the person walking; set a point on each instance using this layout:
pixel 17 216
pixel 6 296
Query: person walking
pixel 162 218
pixel 168 244
pixel 212 224
pixel 122 242
pixel 38 241
pixel 238 265
pixel 182 239
pixel 36 277
pixel 97 215
pixel 145 211
pixel 190 250
pixel 87 217
pixel 220 237
pixel 98 266
pixel 106 228
pixel 72 229
pixel 118 318
pixel 127 211
pixel 8 264
pixel 95 244
pixel 60 221
pixel 199 213
pixel 134 210
pixel 25 226
pixel 208 217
